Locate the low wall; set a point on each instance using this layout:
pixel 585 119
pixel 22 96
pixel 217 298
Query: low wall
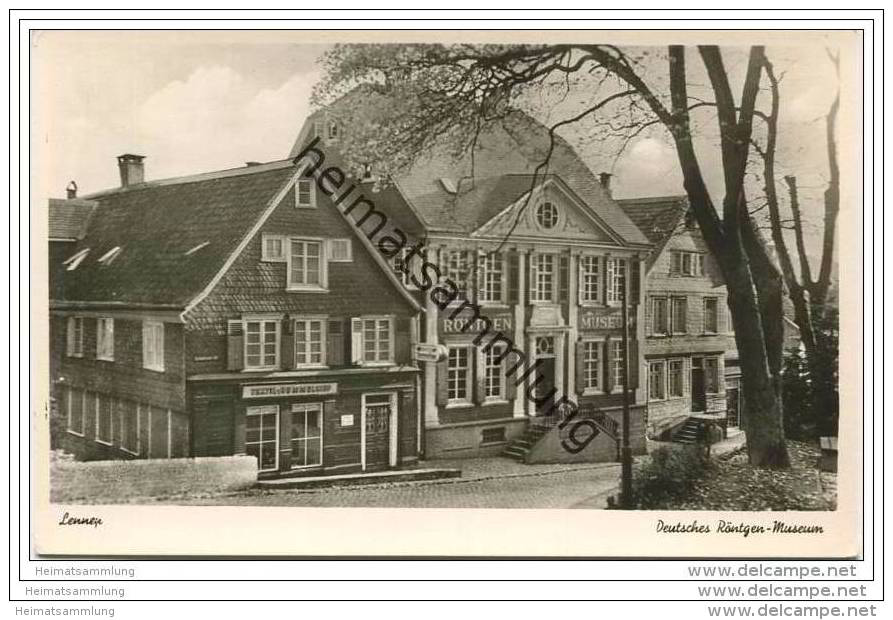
pixel 98 482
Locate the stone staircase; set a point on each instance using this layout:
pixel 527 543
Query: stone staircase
pixel 690 432
pixel 519 448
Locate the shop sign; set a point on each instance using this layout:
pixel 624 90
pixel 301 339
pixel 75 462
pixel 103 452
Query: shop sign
pixel 347 420
pixel 277 390
pixel 423 352
pixel 460 324
pixel 604 318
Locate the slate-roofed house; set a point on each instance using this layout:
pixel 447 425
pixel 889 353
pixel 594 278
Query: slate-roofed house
pixel 688 334
pixel 545 259
pixel 229 313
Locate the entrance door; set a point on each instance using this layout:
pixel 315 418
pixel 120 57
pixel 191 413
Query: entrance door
pixel 544 390
pixel 379 431
pixel 262 436
pixel 732 406
pixel 698 391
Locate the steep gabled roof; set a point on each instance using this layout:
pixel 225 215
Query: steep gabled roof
pixel 657 217
pixel 67 219
pixel 159 227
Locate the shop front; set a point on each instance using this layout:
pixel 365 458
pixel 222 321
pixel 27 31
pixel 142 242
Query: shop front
pixel 355 424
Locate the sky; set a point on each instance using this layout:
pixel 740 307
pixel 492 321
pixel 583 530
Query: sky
pixel 195 102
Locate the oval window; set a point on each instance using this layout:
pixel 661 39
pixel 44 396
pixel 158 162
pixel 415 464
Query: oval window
pixel 547 215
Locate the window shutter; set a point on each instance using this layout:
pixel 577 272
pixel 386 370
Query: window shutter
pixel 580 370
pixel 649 316
pixel 287 346
pixel 234 344
pixel 441 395
pixel 335 342
pixel 563 278
pixel 686 375
pixel 512 276
pixel 402 344
pixel 633 364
pixel 635 284
pixel 356 341
pixel 579 280
pixel 477 375
pixel 70 336
pixel 531 280
pixel 508 378
pixel 608 364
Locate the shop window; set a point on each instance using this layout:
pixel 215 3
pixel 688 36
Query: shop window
pixel 590 279
pixel 310 342
pixel 459 375
pixel 656 386
pixel 105 339
pixel 153 345
pixel 261 343
pixel 306 435
pixel 262 436
pixel 75 336
pixel 675 378
pixel 592 367
pixel 307 268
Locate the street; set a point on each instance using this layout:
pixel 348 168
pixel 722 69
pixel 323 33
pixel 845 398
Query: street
pixel 561 487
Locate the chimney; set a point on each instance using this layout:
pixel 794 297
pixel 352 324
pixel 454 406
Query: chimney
pixel 605 179
pixel 131 169
pixel 71 191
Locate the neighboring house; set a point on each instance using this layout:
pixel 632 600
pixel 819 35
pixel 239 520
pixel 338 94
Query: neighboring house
pixel 688 332
pixel 545 260
pixel 230 313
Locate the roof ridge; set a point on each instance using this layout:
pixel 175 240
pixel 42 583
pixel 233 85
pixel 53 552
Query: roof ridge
pixel 651 199
pixel 195 178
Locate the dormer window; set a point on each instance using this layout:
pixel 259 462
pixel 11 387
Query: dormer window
pixel 333 130
pixel 108 257
pixel 76 259
pixel 367 172
pixel 547 215
pixel 305 195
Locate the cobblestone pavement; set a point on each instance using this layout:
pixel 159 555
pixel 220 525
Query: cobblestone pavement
pixel 554 487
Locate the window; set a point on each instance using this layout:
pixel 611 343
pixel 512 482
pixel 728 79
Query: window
pixel 153 345
pixel 494 387
pixel 75 335
pixel 75 405
pixel 459 375
pixel 306 435
pixel 656 381
pixel 675 378
pixel 711 375
pixel 262 436
pixel 659 315
pixel 273 248
pixel 678 313
pixel 333 130
pixel 306 266
pixel 340 251
pixel 616 279
pixel 543 277
pixel 490 274
pixel 590 278
pixel 104 419
pixel 405 266
pixel 456 268
pixel 310 339
pixel 547 215
pixel 373 340
pixel 105 339
pixel 687 263
pixel 128 423
pixel 617 363
pixel 262 343
pixel 592 367
pixel 305 195
pixel 711 315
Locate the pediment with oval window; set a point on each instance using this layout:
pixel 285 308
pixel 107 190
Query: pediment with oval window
pixel 550 212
